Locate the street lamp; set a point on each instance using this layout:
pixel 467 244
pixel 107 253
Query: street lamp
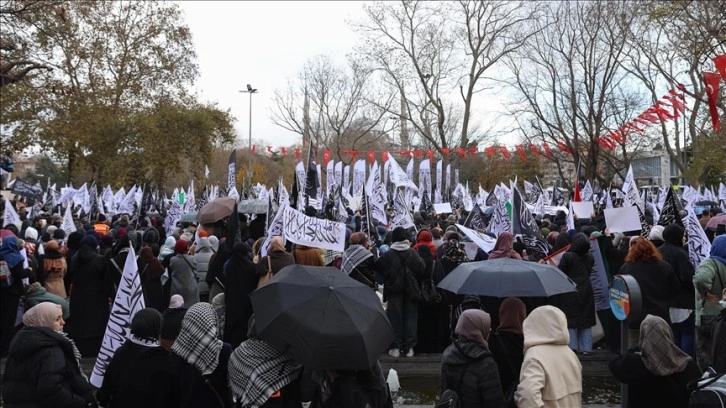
pixel 250 91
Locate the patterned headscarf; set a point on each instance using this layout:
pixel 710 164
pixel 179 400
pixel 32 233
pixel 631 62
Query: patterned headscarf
pixel 660 355
pixel 197 342
pixel 454 250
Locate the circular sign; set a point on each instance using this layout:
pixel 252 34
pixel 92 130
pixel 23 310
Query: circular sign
pixel 625 297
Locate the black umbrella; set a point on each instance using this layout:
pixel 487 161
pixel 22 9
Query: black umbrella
pixel 506 277
pixel 322 318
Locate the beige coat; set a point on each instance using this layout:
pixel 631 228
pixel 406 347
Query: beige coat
pixel 551 375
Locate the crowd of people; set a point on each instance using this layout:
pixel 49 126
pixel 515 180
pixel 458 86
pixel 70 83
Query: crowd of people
pixel 195 343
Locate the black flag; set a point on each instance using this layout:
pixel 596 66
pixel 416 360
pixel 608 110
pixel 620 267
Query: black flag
pixel 556 195
pixel 311 182
pixel 671 210
pixel 524 224
pixel 233 233
pixel 426 204
pixel 475 220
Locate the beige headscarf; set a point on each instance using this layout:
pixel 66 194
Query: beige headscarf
pixel 660 355
pixel 474 325
pixel 42 315
pixel 276 245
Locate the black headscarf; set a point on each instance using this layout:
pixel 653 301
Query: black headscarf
pixel 146 324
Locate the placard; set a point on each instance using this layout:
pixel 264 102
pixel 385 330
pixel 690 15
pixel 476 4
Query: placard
pixel 583 209
pixel 443 208
pixel 622 219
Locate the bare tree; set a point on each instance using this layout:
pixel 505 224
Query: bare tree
pixel 340 115
pixel 572 88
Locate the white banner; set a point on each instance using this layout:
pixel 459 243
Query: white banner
pixel 376 196
pixel 631 191
pixel 424 176
pixel 346 181
pixel 276 228
pixel 339 173
pixel 439 177
pixel 622 219
pixel 699 246
pixel 129 300
pixel 330 180
pixel 484 241
pixel 583 209
pixel 409 169
pixel 313 232
pixel 359 177
pixel 443 208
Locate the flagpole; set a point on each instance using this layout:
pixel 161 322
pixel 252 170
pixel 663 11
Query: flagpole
pixel 138 210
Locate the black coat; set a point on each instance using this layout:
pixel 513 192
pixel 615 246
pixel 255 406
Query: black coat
pixel 577 264
pixel 41 371
pixel 508 351
pixel 396 277
pixel 139 376
pixel 658 285
pixel 89 299
pixel 480 385
pixel 646 390
pixel 241 278
pixel 196 392
pixel 9 301
pixel 216 265
pixel 677 257
pixel 351 389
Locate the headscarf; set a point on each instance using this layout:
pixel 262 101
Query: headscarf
pixel 89 241
pixel 474 325
pixel 512 313
pixel 43 314
pixel 660 355
pixel 718 249
pixel 276 245
pixel 176 302
pixel 9 251
pixel 181 247
pixel 31 233
pixel 454 251
pixel 353 256
pixel 503 247
pixel 197 343
pixel 214 243
pixel 145 327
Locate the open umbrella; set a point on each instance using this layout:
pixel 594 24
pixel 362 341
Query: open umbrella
pixel 215 210
pixel 322 318
pixel 506 277
pixel 253 206
pixel 713 223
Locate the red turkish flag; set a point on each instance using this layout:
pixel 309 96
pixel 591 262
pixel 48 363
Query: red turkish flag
pixel 254 149
pixel 384 155
pixel 504 151
pixel 269 149
pixel 522 153
pixel 283 151
pixel 563 147
pixel 444 151
pixel 534 150
pixel 326 157
pixel 430 155
pixel 547 150
pixel 473 150
pixel 617 136
pixel 461 151
pixel 371 156
pixel 353 155
pixel 490 151
pixel 720 63
pixel 712 79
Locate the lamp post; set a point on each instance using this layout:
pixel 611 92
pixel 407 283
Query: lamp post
pixel 250 91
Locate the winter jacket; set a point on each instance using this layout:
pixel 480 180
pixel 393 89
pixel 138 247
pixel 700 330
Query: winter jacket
pixel 183 274
pixel 658 285
pixel 647 390
pixel 577 264
pixel 202 257
pixel 710 277
pixel 551 374
pixel 507 349
pixel 199 391
pixel 305 255
pixel 480 385
pixel 278 260
pixel 351 389
pixel 41 371
pixel 241 277
pixel 139 376
pixel 397 278
pixel 89 297
pixel 677 257
pixel 41 294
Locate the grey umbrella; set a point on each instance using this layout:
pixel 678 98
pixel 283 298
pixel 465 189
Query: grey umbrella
pixel 506 277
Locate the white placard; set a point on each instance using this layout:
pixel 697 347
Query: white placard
pixel 313 232
pixel 583 209
pixel 622 219
pixel 443 208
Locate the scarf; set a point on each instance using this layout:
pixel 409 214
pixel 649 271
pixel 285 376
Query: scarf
pixel 257 370
pixel 718 249
pixel 660 355
pixel 454 251
pixel 9 251
pixel 197 343
pixel 511 315
pixel 474 325
pixel 76 354
pixel 401 245
pixel 503 246
pixel 352 257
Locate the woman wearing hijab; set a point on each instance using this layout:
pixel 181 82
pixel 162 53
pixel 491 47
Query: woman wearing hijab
pixel 433 317
pixel 202 256
pixel 241 279
pixel 43 366
pixel 503 247
pixel 579 307
pixel 656 376
pixel 200 360
pixel 150 272
pixel 358 261
pixel 424 237
pixel 89 298
pixel 468 367
pixel 54 269
pixel 453 255
pixel 507 345
pixel 551 374
pixel 167 250
pixel 183 274
pixel 710 282
pixel 171 323
pixel 139 373
pixel 10 295
pixel 275 259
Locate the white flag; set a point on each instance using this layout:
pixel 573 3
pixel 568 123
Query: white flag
pixel 376 195
pixel 359 177
pixel 206 171
pixel 11 216
pixel 570 217
pixel 399 178
pixel 68 225
pixel 276 228
pixel 129 300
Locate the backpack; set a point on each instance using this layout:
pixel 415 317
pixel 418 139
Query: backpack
pixel 450 397
pixel 708 391
pixel 6 277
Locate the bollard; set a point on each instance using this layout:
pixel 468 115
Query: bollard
pixel 626 303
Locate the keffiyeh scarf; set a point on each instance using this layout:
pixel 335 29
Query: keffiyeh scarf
pixel 352 257
pixel 197 343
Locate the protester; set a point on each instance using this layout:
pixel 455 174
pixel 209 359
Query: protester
pixel 579 307
pixel 10 295
pixel 657 281
pixel 156 294
pixel 171 322
pixel 358 261
pixel 710 282
pixel 507 345
pixel 43 366
pixel 305 255
pixel 215 273
pixel 401 266
pixel 36 294
pixel 202 255
pixel 346 388
pixel 657 376
pixel 503 248
pixel 681 311
pixel 424 237
pixel 433 315
pixel 468 367
pixel 200 360
pixel 53 270
pixel 275 259
pixel 183 274
pixel 241 279
pixel 551 374
pixel 140 374
pixel 89 298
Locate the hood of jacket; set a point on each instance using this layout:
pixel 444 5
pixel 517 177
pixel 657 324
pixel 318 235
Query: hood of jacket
pixel 30 340
pixel 463 352
pixel 673 234
pixel 203 245
pixel 545 325
pixel 86 254
pixel 580 244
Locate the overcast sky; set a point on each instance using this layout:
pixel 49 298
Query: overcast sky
pixel 266 43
